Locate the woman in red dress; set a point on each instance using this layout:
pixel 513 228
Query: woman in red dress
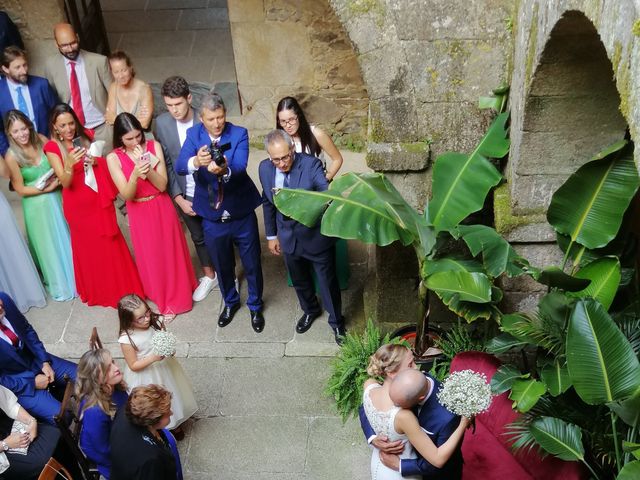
pixel 138 170
pixel 102 263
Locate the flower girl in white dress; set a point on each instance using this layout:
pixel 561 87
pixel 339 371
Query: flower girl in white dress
pixel 137 326
pixel 399 423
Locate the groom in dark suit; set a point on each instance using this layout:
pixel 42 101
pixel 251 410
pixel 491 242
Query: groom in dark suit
pixel 438 422
pixel 305 249
pixel 25 366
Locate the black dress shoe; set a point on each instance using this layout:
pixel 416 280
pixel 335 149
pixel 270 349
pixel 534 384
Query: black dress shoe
pixel 227 315
pixel 339 333
pixel 257 320
pixel 305 322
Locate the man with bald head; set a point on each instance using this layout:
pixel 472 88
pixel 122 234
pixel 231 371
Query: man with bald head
pixel 408 388
pixel 82 80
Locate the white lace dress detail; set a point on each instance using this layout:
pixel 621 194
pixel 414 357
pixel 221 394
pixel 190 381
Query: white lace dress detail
pixel 382 423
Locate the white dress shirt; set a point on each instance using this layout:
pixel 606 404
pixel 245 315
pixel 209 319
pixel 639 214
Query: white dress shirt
pixel 13 90
pixel 92 116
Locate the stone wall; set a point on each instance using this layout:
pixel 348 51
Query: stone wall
pixel 425 63
pixel 35 19
pixel 297 48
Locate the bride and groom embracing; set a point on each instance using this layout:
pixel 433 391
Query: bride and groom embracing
pixel 413 435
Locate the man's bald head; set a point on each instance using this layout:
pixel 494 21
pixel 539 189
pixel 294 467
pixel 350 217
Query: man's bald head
pixel 67 40
pixel 408 388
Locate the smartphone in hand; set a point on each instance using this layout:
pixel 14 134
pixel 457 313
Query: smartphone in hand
pixel 77 142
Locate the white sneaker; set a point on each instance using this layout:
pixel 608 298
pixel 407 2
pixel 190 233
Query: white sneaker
pixel 206 285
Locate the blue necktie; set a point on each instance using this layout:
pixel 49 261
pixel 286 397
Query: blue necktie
pixel 22 103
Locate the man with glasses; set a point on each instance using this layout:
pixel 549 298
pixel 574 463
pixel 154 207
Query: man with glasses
pixel 216 152
pixel 306 250
pixel 82 80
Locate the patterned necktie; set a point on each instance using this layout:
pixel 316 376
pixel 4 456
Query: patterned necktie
pixel 22 103
pixel 285 184
pixel 76 98
pixel 9 334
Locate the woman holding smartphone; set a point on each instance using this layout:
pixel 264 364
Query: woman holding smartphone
pixel 137 168
pixel 102 263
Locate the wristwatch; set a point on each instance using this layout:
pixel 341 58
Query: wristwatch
pixel 4 445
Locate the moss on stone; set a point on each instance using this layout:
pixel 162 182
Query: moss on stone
pixel 505 221
pixel 351 141
pixel 622 75
pixel 363 7
pixel 636 28
pixel 531 52
pixel 415 147
pixel 257 142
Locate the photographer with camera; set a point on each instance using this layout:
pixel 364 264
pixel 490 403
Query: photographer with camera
pixel 217 152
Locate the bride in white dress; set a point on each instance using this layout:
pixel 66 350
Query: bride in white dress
pixel 397 423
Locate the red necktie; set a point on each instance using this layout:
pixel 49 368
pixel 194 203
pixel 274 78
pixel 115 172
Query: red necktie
pixel 76 98
pixel 10 335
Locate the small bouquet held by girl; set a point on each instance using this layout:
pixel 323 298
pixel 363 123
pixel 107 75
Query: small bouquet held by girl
pixel 149 352
pixel 465 393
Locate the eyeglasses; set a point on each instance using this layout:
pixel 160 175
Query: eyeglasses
pixel 289 122
pixel 68 45
pixel 146 315
pixel 279 160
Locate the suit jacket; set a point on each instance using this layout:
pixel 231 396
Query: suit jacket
pixel 16 373
pixel 167 134
pixel 439 423
pixel 306 173
pixel 98 76
pixel 239 194
pixel 43 99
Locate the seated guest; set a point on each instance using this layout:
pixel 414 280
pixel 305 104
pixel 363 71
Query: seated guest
pixel 101 392
pixel 140 447
pixel 127 93
pixel 40 440
pixel 25 366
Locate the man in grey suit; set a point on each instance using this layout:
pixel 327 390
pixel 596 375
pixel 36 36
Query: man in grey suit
pixel 82 80
pixel 171 130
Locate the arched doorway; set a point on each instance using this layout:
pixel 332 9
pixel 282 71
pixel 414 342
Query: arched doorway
pixel 571 111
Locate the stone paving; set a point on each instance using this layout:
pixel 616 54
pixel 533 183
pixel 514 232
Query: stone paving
pixel 262 414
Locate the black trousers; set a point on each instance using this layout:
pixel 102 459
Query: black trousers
pixel 29 466
pixel 300 266
pixel 194 224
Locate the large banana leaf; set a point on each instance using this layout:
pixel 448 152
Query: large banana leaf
pixel 561 439
pixel 498 255
pixel 556 377
pixel 449 264
pixel 605 275
pixel 526 393
pixel 503 343
pixel 554 277
pixel 461 182
pixel 364 206
pixel 602 364
pixel 589 206
pixel 468 286
pixel 631 471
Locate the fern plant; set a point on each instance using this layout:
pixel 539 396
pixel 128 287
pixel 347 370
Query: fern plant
pixel 349 368
pixel 458 339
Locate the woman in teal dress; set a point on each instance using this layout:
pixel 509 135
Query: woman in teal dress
pixel 47 229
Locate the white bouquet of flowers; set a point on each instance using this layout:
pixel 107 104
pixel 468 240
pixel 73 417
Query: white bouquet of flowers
pixel 465 393
pixel 163 343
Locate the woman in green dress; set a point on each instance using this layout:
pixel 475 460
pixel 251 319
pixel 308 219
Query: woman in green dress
pixel 47 229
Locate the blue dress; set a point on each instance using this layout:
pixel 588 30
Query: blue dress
pixel 18 275
pixel 95 433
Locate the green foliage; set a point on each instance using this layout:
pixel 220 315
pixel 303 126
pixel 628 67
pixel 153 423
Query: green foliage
pixel 349 368
pixel 504 379
pixel 605 276
pixel 525 393
pixel 559 438
pixel 452 342
pixel 590 205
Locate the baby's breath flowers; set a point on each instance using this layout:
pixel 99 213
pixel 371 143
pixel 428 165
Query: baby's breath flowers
pixel 465 393
pixel 163 343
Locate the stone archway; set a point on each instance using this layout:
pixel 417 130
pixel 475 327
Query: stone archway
pixel 570 113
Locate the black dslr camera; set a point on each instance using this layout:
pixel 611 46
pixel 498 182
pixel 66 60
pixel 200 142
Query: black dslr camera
pixel 217 152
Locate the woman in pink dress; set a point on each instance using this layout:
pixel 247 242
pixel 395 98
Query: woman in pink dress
pixel 137 168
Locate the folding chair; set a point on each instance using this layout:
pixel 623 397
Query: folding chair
pixel 69 425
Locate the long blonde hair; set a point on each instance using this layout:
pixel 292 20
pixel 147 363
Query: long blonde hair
pixel 34 139
pixel 386 360
pixel 91 386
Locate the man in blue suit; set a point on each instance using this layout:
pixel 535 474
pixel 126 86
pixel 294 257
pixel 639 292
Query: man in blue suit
pixel 305 249
pixel 25 366
pixel 438 422
pixel 21 91
pixel 226 198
